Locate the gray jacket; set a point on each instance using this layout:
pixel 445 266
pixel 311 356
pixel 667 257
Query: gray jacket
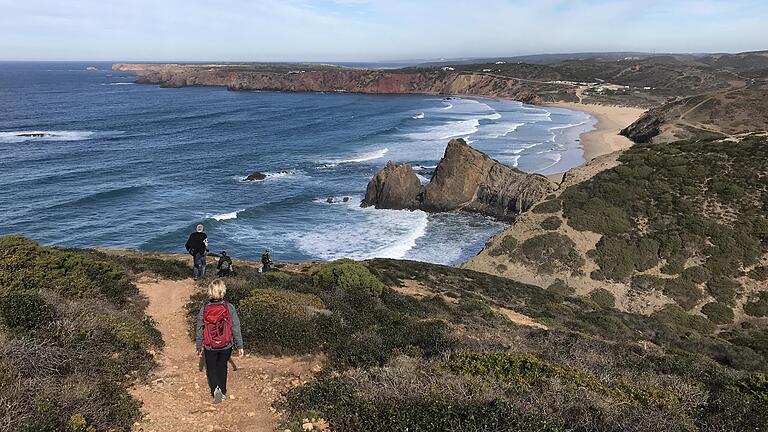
pixel 237 335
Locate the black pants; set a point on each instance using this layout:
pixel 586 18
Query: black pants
pixel 216 368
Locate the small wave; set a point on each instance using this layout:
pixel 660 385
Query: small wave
pixel 227 216
pixel 494 116
pixel 424 167
pixel 117 83
pixel 567 126
pixel 449 106
pixel 335 200
pixel 418 116
pixel 400 248
pixel 422 179
pixel 22 136
pixel 360 157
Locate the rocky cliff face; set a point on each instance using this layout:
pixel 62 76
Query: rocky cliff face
pixel 394 187
pixel 465 179
pixel 336 80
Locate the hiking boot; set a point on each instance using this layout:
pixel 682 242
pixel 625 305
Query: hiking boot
pixel 218 396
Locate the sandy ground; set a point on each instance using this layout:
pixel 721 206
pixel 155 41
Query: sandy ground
pixel 610 120
pixel 177 399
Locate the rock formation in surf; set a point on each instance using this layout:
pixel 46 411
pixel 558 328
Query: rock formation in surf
pixel 393 187
pixel 465 179
pixel 256 176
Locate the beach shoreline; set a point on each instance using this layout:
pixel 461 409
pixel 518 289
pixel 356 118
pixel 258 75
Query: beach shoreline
pixel 604 138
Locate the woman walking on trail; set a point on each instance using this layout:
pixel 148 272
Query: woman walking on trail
pixel 217 334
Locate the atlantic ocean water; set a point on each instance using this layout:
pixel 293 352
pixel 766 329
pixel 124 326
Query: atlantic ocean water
pixel 89 159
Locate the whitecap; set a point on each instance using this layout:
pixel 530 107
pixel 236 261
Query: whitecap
pixel 449 106
pixel 422 179
pixel 24 136
pixel 418 116
pixel 275 175
pixel 117 83
pixel 360 157
pixel 227 216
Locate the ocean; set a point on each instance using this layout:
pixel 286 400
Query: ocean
pixel 136 166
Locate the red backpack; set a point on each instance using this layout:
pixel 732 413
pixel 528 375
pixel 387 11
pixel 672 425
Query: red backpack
pixel 217 326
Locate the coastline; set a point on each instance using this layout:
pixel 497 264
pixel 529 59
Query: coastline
pixel 605 137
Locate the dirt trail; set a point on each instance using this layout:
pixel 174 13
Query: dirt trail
pixel 177 397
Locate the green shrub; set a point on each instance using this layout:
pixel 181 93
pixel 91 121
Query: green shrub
pixel 696 274
pixel 476 307
pixel 619 259
pixel 25 266
pixel 757 307
pixel 646 283
pixel 347 276
pixel 597 216
pixel 25 310
pixel 274 320
pixel 551 252
pixel 551 223
pixel 718 313
pixel 507 245
pixel 759 273
pixel 561 288
pixel 684 292
pixel 723 289
pixel 676 316
pixel 603 298
pixel 549 206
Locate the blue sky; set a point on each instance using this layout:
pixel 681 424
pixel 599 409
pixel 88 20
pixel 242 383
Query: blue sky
pixel 370 30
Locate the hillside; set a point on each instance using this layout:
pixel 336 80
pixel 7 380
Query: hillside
pixel 402 345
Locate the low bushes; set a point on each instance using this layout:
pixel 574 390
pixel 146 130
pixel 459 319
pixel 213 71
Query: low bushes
pixel 758 305
pixel 603 298
pixel 718 313
pixel 506 247
pixel 684 292
pixel 73 339
pixel 349 277
pixel 551 252
pixel 551 223
pixel 550 206
pixel 274 320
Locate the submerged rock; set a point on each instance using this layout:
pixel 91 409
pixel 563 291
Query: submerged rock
pixel 465 179
pixel 393 187
pixel 256 176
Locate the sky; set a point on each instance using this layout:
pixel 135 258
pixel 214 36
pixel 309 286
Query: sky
pixel 370 30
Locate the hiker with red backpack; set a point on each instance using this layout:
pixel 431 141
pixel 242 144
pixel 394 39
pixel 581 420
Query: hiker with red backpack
pixel 217 334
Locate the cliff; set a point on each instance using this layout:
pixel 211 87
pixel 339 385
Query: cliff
pixel 465 179
pixel 334 80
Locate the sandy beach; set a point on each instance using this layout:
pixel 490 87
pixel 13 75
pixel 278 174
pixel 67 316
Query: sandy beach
pixel 605 138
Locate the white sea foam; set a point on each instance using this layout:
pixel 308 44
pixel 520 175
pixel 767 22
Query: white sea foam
pixel 422 179
pixel 567 126
pixel 461 128
pixel 418 116
pixel 360 157
pixel 383 234
pixel 274 175
pixel 494 116
pixel 118 83
pixel 23 136
pixel 448 106
pixel 227 216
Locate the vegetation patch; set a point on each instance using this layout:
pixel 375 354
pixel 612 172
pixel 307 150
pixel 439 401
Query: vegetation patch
pixel 548 206
pixel 603 298
pixel 551 223
pixel 73 340
pixel 757 306
pixel 699 199
pixel 551 252
pixel 718 313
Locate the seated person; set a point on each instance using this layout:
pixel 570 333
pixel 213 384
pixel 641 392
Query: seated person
pixel 225 266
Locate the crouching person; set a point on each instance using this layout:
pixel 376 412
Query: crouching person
pixel 217 334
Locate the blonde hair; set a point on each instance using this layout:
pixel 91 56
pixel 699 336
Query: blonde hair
pixel 217 289
pixel 200 228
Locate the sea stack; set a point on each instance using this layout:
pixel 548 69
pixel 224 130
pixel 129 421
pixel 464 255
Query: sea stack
pixel 393 187
pixel 465 179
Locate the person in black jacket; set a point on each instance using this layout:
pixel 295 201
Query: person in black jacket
pixel 266 261
pixel 197 246
pixel 225 266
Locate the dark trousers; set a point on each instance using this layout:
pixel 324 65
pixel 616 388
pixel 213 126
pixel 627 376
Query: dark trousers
pixel 216 368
